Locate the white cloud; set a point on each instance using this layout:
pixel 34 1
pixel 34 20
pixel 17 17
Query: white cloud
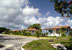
pixel 12 14
pixel 10 11
pixel 47 14
pixel 30 11
pixel 15 17
pixel 30 20
pixel 50 21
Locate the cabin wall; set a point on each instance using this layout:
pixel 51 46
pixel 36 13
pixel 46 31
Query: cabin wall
pixel 32 32
pixel 54 31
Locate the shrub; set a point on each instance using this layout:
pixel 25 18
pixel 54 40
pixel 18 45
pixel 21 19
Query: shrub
pixel 63 34
pixel 70 39
pixel 6 32
pixel 28 34
pixel 62 31
pixel 38 33
pixel 43 35
pixel 24 33
pixel 70 33
pixel 46 33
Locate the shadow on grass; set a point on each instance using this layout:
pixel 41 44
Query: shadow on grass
pixel 68 45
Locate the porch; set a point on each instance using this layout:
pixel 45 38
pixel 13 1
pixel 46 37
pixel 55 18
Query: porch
pixel 54 30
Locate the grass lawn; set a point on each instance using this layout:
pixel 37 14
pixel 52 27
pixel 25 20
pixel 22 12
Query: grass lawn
pixel 39 45
pixel 45 45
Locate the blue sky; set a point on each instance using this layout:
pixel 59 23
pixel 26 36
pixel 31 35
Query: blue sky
pixel 19 14
pixel 44 6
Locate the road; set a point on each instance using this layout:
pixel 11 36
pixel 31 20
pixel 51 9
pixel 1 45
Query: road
pixel 14 42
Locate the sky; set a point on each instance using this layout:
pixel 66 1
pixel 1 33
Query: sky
pixel 19 14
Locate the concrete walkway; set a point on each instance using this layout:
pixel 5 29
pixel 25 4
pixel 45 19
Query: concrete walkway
pixel 14 42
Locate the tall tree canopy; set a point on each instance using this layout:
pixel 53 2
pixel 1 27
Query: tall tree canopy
pixel 2 29
pixel 64 7
pixel 36 26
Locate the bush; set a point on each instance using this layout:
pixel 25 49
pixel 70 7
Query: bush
pixel 28 34
pixel 63 34
pixel 70 33
pixel 70 39
pixel 24 33
pixel 38 33
pixel 44 34
pixel 6 32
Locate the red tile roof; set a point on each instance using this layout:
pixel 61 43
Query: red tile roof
pixel 15 30
pixel 57 27
pixel 31 29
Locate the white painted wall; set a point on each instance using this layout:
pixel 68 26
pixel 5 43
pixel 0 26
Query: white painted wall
pixel 54 31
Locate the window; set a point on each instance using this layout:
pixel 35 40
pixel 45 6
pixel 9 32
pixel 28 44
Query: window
pixel 50 31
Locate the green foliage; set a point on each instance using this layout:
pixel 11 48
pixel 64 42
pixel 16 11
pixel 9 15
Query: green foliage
pixel 3 29
pixel 44 34
pixel 62 31
pixel 38 33
pixel 63 7
pixel 16 33
pixel 70 38
pixel 70 33
pixel 11 32
pixel 7 31
pixel 63 34
pixel 28 34
pixel 66 41
pixel 24 33
pixel 38 45
pixel 36 26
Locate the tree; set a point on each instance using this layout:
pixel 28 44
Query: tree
pixel 62 31
pixel 7 31
pixel 3 29
pixel 64 7
pixel 36 26
pixel 24 33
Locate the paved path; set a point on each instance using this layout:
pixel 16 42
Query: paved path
pixel 14 42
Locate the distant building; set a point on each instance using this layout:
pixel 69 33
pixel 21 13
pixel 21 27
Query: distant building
pixel 15 30
pixel 32 30
pixel 54 30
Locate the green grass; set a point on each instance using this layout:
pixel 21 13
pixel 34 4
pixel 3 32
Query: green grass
pixel 65 41
pixel 61 39
pixel 45 45
pixel 38 45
